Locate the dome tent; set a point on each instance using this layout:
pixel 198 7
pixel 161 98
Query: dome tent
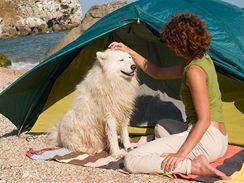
pixel 40 97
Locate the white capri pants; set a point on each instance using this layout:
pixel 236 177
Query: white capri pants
pixel 146 158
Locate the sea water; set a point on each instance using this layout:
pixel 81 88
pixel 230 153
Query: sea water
pixel 28 51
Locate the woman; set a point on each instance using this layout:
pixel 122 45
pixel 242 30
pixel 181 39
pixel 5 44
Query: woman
pixel 205 140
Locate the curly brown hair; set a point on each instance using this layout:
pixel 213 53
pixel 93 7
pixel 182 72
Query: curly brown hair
pixel 187 35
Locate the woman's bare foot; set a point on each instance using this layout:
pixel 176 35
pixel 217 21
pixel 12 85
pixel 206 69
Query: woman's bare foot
pixel 201 166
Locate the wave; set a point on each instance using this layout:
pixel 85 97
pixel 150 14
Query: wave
pixel 22 65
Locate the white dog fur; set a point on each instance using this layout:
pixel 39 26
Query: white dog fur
pixel 102 107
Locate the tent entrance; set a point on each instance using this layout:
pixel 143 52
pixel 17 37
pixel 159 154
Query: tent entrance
pixel 157 99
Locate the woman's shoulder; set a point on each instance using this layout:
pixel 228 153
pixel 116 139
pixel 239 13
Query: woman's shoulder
pixel 203 62
pixel 200 63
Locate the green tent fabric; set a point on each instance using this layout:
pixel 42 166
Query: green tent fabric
pixel 138 25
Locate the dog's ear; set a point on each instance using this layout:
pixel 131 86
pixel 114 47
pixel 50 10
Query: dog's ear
pixel 101 55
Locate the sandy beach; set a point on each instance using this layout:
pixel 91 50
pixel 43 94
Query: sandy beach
pixel 16 167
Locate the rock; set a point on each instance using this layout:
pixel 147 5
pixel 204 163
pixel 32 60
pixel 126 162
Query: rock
pixel 21 17
pixel 4 61
pixel 94 14
pixel 31 24
pixel 97 12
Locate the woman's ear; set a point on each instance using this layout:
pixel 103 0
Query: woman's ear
pixel 101 55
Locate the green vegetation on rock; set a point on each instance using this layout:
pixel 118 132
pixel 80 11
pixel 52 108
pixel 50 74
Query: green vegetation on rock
pixel 4 61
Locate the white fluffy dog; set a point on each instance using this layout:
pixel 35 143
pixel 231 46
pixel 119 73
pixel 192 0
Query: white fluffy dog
pixel 102 107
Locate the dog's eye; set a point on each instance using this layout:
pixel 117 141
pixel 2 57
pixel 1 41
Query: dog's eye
pixel 129 57
pixel 121 60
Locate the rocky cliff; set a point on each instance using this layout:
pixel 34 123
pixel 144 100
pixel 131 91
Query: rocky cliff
pixel 94 14
pixel 24 17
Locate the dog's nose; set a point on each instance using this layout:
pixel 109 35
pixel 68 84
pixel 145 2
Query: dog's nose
pixel 133 67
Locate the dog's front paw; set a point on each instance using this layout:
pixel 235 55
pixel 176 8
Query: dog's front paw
pixel 128 147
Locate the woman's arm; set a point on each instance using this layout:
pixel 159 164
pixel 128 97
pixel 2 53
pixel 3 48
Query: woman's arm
pixel 152 70
pixel 196 79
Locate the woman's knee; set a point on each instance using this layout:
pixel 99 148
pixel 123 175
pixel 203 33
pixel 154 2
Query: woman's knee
pixel 160 131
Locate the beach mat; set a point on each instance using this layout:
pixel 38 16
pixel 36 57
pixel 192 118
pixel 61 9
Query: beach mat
pixel 232 163
pixel 99 160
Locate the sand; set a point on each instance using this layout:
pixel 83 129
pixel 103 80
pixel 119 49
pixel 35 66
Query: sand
pixel 16 167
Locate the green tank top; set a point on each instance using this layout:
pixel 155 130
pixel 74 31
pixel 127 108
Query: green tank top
pixel 216 111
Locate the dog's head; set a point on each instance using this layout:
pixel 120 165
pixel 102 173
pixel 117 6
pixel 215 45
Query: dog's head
pixel 117 63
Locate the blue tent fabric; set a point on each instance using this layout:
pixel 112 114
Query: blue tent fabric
pixel 225 24
pixel 23 100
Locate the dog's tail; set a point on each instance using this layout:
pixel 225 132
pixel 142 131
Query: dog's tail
pixel 53 136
